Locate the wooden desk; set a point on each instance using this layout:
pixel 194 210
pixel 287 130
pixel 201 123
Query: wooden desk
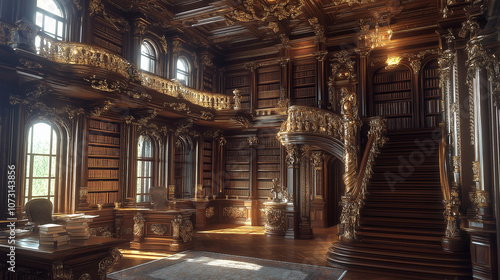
pixel 79 259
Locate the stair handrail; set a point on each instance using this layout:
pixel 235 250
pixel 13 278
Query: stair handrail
pixel 353 200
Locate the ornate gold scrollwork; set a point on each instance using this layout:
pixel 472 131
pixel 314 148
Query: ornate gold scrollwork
pixel 210 212
pixel 6 31
pixel 234 212
pixel 85 276
pixel 176 226
pixel 96 7
pixel 158 229
pixel 59 271
pixel 139 223
pixel 275 219
pixel 292 155
pixel 107 263
pixel 186 231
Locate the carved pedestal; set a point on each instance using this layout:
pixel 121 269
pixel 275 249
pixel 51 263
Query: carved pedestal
pixel 276 217
pixel 162 230
pixel 201 212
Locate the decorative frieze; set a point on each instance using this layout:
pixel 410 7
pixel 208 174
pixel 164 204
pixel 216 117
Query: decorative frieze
pixel 234 212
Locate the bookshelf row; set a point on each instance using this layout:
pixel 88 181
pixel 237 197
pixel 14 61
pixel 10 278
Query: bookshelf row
pixel 237 167
pixel 267 103
pixel 393 108
pixel 103 173
pixel 432 106
pixel 96 124
pixel 310 101
pixel 238 81
pixel 236 192
pixel 398 86
pixel 304 81
pixel 392 95
pixel 102 162
pixel 271 76
pixel 102 197
pixel 431 82
pixel 102 185
pixel 97 138
pixel 399 123
pixel 103 151
pixel 391 77
pixel 301 74
pixel 432 93
pixel 207 83
pixel 268 167
pixel 431 72
pixel 304 92
pixel 432 121
pixel 239 184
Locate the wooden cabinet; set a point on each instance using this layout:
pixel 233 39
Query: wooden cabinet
pixel 103 161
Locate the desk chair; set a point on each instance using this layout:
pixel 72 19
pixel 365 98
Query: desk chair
pixel 158 197
pixel 39 211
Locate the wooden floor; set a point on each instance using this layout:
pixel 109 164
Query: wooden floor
pixel 252 242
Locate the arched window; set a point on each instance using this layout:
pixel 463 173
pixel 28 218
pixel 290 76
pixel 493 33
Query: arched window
pixel 182 73
pixel 144 168
pixel 51 19
pixel 148 57
pixel 42 162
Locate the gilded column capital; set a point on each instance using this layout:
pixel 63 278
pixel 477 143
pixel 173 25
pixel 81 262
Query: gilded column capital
pixel 317 158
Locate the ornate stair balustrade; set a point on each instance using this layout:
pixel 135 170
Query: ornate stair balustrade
pixel 81 54
pixel 338 135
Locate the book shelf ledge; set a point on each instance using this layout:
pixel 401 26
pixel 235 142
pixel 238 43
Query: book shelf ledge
pixel 104 145
pixel 104 156
pixel 104 131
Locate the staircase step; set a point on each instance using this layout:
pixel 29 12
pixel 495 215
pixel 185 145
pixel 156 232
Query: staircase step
pixel 395 230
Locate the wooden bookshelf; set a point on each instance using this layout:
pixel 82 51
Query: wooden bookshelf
pixel 237 182
pixel 268 164
pixel 268 87
pixel 103 158
pixel 208 83
pixel 179 171
pixel 304 83
pixel 207 166
pixel 392 97
pixel 432 95
pixel 240 81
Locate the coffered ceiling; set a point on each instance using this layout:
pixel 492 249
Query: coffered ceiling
pixel 232 25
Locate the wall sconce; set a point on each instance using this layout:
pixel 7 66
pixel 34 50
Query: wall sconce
pixel 392 62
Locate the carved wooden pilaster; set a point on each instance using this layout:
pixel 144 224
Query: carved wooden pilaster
pixel 293 181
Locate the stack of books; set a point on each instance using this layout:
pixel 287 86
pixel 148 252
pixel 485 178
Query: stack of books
pixel 52 235
pixel 77 226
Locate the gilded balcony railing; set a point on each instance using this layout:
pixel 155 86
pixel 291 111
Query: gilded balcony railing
pixel 81 54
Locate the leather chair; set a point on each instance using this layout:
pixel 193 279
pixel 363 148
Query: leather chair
pixel 39 211
pixel 158 197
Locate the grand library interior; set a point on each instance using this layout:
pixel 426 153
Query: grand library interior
pixel 358 139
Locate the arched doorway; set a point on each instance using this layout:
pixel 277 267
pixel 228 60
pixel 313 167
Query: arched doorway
pixel 334 188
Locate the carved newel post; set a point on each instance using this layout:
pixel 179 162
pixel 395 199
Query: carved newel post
pixel 349 109
pixel 275 211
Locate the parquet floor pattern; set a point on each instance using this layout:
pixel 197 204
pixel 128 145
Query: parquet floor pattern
pixel 252 242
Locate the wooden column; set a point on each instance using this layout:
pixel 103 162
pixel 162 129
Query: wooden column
pixel 293 181
pixel 318 210
pixel 304 195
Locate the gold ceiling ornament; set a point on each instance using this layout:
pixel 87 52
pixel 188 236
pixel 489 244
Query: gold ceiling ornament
pixel 378 36
pixel 262 11
pixel 352 2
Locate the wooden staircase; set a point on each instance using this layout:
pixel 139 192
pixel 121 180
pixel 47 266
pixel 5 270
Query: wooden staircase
pixel 402 220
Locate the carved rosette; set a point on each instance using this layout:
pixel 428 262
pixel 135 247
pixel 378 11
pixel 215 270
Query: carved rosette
pixel 107 263
pixel 139 222
pixel 158 229
pixel 234 212
pixel 176 226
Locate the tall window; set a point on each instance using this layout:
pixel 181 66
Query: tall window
pixel 148 57
pixel 182 73
pixel 41 162
pixel 50 17
pixel 144 168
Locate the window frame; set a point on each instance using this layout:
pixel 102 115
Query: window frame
pixel 28 177
pixel 186 73
pixel 153 58
pixel 151 177
pixel 63 20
